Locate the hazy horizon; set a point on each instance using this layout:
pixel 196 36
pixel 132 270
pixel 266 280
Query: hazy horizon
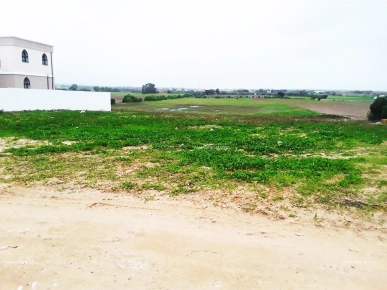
pixel 327 45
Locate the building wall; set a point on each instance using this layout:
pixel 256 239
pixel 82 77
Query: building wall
pixel 17 81
pixel 12 99
pixel 11 63
pixel 7 81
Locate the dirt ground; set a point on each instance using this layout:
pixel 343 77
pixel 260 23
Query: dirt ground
pixel 355 110
pixel 97 240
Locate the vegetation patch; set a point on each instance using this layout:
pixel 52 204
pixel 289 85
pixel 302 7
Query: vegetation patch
pixel 246 162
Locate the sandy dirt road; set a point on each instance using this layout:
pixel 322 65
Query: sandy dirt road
pixel 94 240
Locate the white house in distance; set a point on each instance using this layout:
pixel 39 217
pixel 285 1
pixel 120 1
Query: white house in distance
pixel 26 64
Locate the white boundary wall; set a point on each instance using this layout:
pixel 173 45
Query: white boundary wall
pixel 12 99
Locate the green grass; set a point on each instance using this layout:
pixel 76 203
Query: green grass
pixel 141 152
pixel 216 106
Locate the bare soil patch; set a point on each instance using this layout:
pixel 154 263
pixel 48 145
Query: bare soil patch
pixel 96 240
pixel 351 109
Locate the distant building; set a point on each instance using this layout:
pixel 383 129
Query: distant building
pixel 319 92
pixel 26 64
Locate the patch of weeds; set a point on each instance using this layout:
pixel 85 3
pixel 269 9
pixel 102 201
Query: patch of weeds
pixel 317 219
pixel 292 215
pixel 123 159
pixel 277 198
pixel 149 198
pixel 128 186
pixel 181 189
pixel 145 172
pixel 383 198
pixel 382 183
pixel 284 208
pixel 377 160
pixel 248 207
pixel 154 186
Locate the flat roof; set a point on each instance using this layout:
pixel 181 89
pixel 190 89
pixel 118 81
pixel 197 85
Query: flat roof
pixel 23 39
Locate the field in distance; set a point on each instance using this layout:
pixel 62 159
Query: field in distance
pixel 352 107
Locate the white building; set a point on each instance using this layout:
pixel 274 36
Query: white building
pixel 26 64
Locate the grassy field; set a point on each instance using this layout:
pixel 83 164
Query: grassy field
pixel 247 161
pixel 120 95
pixel 243 106
pixel 351 107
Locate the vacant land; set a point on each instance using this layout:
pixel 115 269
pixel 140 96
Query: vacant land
pixel 85 187
pixel 349 107
pixel 272 165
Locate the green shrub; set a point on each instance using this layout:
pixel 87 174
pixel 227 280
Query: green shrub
pixel 319 97
pixel 155 98
pixel 378 109
pixel 112 101
pixel 131 99
pixel 384 112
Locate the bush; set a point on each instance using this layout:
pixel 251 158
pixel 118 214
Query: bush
pixel 378 109
pixel 384 113
pixel 153 98
pixel 131 99
pixel 319 97
pixel 112 101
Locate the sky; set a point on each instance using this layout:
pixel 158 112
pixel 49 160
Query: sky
pixel 225 44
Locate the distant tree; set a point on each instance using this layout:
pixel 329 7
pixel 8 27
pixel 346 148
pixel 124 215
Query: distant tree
pixel 112 101
pixel 281 94
pixel 105 89
pixel 244 91
pixel 209 92
pixel 149 88
pixel 217 91
pixel 378 109
pixel 73 87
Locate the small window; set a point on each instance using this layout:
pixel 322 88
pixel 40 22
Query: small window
pixel 27 84
pixel 24 56
pixel 44 59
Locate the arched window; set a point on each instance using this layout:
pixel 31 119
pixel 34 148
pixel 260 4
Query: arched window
pixel 27 84
pixel 44 59
pixel 24 56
